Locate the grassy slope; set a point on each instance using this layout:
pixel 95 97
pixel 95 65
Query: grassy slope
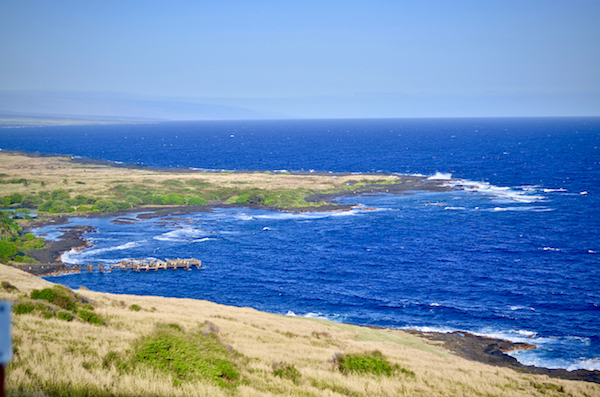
pixel 70 358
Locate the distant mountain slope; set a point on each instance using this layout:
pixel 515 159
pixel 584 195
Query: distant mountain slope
pixel 120 107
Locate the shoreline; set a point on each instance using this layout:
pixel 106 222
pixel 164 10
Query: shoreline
pixel 464 344
pixel 476 348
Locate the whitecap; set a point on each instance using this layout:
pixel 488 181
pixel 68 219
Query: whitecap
pixel 440 176
pixel 551 249
pixel 521 194
pixel 186 234
pixel 454 208
pixel 584 192
pixel 290 313
pixel 554 190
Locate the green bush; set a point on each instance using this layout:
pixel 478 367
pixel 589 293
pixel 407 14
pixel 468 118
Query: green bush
pixel 174 199
pixel 14 198
pixel 60 194
pixel 45 206
pixel 287 371
pixel 23 308
pixel 368 363
pixel 187 357
pixel 191 199
pixel 32 201
pixel 7 249
pixel 66 316
pixel 105 206
pixel 158 199
pixel 90 317
pixel 135 308
pixel 81 200
pixel 133 200
pixel 57 295
pixel 8 287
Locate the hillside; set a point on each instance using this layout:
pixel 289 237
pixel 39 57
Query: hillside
pixel 125 345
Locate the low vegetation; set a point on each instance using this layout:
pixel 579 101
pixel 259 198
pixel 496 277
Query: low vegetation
pixel 368 363
pixel 54 185
pixel 57 302
pixel 14 244
pixel 185 347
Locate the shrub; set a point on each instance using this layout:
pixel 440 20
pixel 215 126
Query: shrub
pixel 45 206
pixel 286 371
pixel 105 206
pixel 32 201
pixel 133 200
pixel 368 363
pixel 135 308
pixel 90 317
pixel 60 194
pixel 158 199
pixel 14 198
pixel 188 357
pixel 80 200
pixel 191 199
pixel 8 287
pixel 7 249
pixel 174 199
pixel 57 295
pixel 23 308
pixel 66 316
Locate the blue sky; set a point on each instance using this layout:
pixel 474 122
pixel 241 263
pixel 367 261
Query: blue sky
pixel 315 58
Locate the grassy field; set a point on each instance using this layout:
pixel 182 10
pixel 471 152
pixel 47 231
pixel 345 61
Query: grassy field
pixel 85 343
pixel 60 185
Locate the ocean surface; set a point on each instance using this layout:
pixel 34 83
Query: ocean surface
pixel 512 252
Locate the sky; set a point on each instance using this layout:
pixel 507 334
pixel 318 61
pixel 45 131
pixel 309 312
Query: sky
pixel 314 59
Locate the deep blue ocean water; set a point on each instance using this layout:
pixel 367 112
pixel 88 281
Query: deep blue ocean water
pixel 513 252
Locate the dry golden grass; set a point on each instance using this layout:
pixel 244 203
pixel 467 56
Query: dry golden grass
pixel 52 352
pixel 97 180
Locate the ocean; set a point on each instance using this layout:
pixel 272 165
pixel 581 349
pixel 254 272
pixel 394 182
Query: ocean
pixel 512 252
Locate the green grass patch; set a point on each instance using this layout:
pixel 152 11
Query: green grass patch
pixel 369 363
pixel 287 371
pixel 23 308
pixel 57 295
pixel 8 287
pixel 188 356
pixel 90 317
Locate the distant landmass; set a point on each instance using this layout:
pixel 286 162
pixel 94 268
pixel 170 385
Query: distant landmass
pixel 53 108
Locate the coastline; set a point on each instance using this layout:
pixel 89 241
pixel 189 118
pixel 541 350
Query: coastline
pixel 480 349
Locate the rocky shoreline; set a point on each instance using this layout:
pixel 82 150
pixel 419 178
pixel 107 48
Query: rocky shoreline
pixel 481 349
pixel 493 351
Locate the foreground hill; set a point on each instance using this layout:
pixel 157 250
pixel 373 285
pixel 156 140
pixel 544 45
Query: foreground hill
pixel 85 343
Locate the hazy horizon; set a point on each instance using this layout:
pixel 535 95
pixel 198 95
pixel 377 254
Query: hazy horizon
pixel 264 59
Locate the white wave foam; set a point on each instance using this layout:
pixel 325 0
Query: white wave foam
pixel 551 249
pixel 441 330
pixel 523 194
pixel 440 176
pixel 180 235
pixel 74 256
pixel 584 192
pixel 290 313
pixel 307 215
pixel 454 208
pixel 554 190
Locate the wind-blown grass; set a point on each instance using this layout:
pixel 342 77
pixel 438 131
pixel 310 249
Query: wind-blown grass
pixel 186 347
